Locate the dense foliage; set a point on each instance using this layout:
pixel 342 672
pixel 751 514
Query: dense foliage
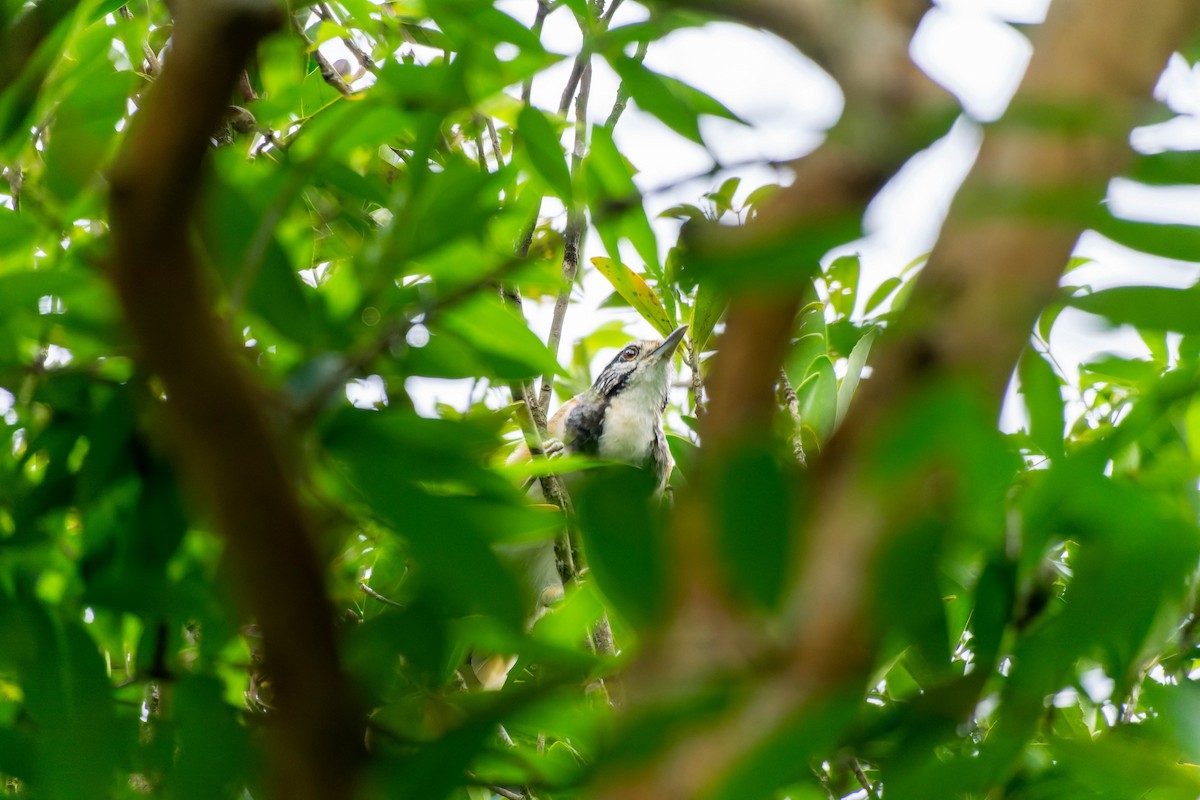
pixel 1030 621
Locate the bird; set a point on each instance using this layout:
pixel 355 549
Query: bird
pixel 618 418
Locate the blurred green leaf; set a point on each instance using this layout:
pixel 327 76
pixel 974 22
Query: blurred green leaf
pixel 624 540
pixel 841 279
pixel 615 200
pixel 252 262
pixel 1148 307
pixel 707 309
pixel 1040 386
pixel 754 502
pixel 659 96
pixel 510 349
pixel 722 198
pixel 1166 240
pixel 818 398
pixel 733 260
pixel 855 363
pixel 541 142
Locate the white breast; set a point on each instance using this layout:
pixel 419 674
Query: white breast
pixel 629 425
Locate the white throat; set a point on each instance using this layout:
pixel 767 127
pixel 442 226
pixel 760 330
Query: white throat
pixel 630 424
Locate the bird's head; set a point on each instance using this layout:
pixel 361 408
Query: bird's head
pixel 643 367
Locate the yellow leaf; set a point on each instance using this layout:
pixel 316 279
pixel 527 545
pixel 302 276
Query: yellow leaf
pixel 636 292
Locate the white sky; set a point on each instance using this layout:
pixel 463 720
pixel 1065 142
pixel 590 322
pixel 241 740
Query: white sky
pixel 966 45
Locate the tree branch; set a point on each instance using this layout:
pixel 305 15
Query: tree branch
pixel 572 236
pixel 364 60
pixel 792 403
pixel 987 279
pixel 328 73
pixel 223 438
pixel 968 317
pixel 622 98
pixel 539 21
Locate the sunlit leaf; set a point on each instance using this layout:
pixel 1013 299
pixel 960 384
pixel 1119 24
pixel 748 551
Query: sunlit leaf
pixel 634 290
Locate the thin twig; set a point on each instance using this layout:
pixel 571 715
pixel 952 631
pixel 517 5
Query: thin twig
pixel 539 21
pixel 507 794
pixel 697 382
pixel 572 237
pixel 823 779
pixel 367 63
pixel 618 107
pixel 367 590
pixel 495 138
pixel 482 157
pixel 792 403
pixel 328 73
pixel 553 488
pixel 16 178
pixel 862 779
pixel 607 16
pixel 564 101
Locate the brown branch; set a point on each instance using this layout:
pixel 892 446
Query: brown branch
pixel 364 60
pixel 969 316
pixel 222 435
pixel 553 488
pixel 328 73
pixel 987 279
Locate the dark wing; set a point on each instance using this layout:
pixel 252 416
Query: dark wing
pixel 585 423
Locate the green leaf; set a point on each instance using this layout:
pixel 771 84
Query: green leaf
pixel 707 309
pixel 544 149
pixel 908 603
pixel 1041 387
pixel 761 195
pixel 656 95
pixel 854 367
pixel 722 198
pixel 700 102
pixel 624 540
pixel 818 399
pixel 231 228
pixel 736 260
pixel 1153 308
pixel 881 293
pixel 683 211
pixel 1164 169
pixel 84 129
pixel 634 290
pixel 754 503
pixel 841 279
pixel 497 335
pixel 617 209
pixel 1181 242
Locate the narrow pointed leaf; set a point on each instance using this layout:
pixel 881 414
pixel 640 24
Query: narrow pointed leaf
pixel 544 150
pixel 636 292
pixel 856 361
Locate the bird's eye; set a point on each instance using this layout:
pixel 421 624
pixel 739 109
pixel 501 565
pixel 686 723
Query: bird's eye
pixel 630 353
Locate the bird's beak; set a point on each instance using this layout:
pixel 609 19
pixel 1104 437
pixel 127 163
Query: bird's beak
pixel 667 348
